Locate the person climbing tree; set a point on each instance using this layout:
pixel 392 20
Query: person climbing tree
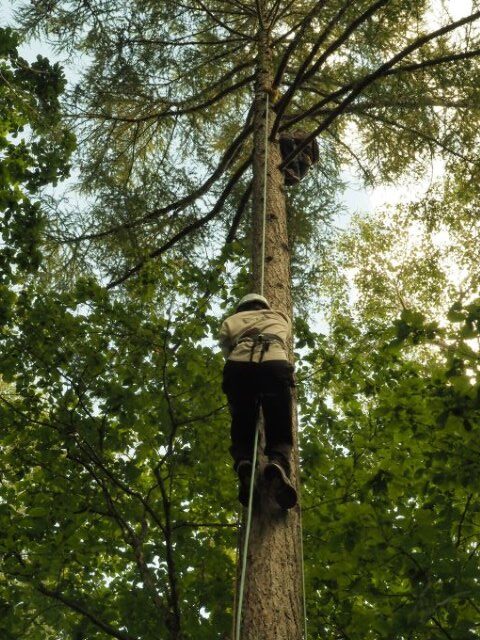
pixel 297 168
pixel 257 375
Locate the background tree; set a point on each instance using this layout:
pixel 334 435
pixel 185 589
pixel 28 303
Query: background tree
pixel 167 101
pixel 396 390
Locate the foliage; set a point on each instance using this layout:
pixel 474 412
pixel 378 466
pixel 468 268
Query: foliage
pixel 106 469
pixel 391 413
pixel 35 149
pixel 165 101
pixel 117 503
pixel 390 468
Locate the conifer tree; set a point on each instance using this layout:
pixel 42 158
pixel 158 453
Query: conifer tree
pixel 171 113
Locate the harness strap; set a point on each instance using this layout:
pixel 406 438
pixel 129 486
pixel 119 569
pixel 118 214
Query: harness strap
pixel 263 339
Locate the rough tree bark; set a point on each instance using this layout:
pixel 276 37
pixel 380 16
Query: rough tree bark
pixel 273 592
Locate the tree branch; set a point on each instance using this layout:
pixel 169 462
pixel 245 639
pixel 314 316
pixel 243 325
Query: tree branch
pixel 169 113
pixel 259 15
pixel 182 423
pixel 171 412
pixel 222 24
pixel 454 57
pixel 172 577
pixel 239 213
pixel 366 173
pixel 366 15
pixel 418 66
pixel 91 454
pixel 372 77
pixel 284 12
pixel 81 608
pixel 194 226
pixel 273 13
pixel 419 134
pixel 180 42
pixel 296 41
pixel 427 101
pixel 209 525
pixel 442 629
pixel 243 6
pixel 462 520
pixel 179 205
pixel 304 73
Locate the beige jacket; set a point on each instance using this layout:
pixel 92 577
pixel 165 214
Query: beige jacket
pixel 246 323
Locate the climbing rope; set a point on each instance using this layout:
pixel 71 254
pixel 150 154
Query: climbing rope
pixel 241 590
pixel 246 540
pixel 264 217
pixel 302 561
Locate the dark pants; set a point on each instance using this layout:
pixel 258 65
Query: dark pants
pixel 249 386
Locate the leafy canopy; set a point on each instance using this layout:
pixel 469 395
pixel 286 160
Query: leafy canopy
pixel 116 499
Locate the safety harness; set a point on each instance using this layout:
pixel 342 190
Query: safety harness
pixel 260 339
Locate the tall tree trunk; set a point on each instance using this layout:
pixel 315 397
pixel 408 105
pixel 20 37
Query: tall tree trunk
pixel 273 591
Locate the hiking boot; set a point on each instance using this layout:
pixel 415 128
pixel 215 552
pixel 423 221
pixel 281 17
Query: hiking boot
pixel 244 472
pixel 283 490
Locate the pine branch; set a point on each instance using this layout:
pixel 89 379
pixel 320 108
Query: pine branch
pixel 172 112
pixel 179 205
pixel 296 41
pixel 304 73
pixel 194 226
pixel 285 11
pixel 186 103
pixel 230 11
pixel 419 134
pixel 366 15
pixel 180 42
pixel 209 290
pixel 77 606
pixel 414 104
pixel 375 75
pixel 243 6
pixel 273 13
pixel 221 23
pixel 239 214
pixel 259 15
pixel 454 57
pixel 366 173
pixel 205 62
pixel 417 66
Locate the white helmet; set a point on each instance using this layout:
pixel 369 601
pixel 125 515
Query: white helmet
pixel 253 297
